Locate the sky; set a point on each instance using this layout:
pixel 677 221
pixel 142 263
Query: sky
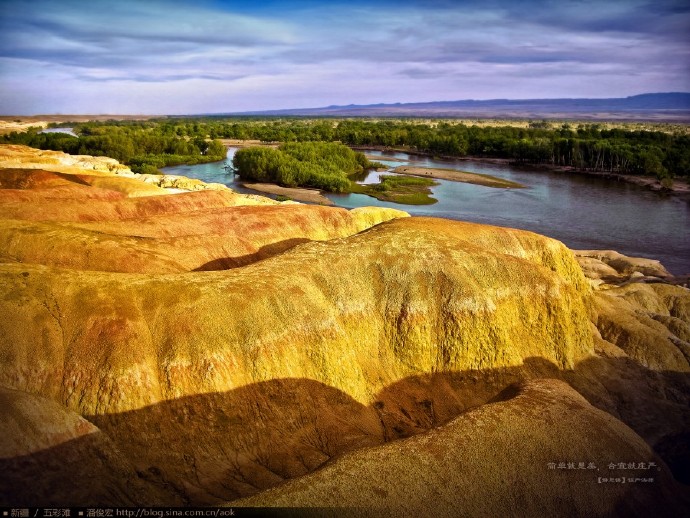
pixel 217 56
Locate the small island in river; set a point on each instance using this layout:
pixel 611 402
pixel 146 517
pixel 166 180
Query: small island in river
pixel 406 190
pixel 458 176
pixel 334 167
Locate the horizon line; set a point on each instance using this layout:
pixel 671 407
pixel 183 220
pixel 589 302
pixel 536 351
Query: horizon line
pixel 376 104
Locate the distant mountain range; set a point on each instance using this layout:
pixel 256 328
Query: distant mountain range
pixel 653 106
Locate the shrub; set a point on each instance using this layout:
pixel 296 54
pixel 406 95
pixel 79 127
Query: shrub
pixel 145 169
pixel 323 165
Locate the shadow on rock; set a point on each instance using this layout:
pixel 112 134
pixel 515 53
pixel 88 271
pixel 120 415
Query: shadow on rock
pixel 266 251
pixel 212 448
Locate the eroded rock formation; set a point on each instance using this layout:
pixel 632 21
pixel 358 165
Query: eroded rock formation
pixel 208 345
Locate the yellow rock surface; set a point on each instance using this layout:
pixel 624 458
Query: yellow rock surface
pixel 315 331
pixel 608 262
pixel 642 317
pixel 412 295
pixel 18 156
pixel 8 126
pixel 650 322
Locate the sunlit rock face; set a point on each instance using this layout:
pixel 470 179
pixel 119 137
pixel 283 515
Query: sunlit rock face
pixel 25 157
pixel 649 322
pixel 608 263
pixel 118 223
pixel 206 346
pixel 406 297
pixel 198 233
pixel 646 318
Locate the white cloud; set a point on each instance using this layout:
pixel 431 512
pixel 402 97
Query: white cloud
pixel 180 57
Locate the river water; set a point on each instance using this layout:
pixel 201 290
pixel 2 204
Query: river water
pixel 584 212
pixel 67 131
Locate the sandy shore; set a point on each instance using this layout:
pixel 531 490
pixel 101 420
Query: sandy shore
pixel 379 158
pixel 680 187
pixel 457 176
pixel 294 193
pixel 8 126
pixel 232 142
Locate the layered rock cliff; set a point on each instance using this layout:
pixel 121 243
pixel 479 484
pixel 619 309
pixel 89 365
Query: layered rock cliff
pixel 216 344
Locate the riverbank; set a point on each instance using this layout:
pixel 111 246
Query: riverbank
pixel 680 188
pixel 377 158
pixel 293 193
pixel 458 176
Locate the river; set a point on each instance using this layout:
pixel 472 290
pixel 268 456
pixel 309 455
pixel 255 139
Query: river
pixel 584 212
pixel 67 131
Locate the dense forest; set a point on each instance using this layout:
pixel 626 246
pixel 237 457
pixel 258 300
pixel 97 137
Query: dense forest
pixel 585 146
pixel 323 165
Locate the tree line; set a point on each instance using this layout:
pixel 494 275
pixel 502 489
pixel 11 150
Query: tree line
pixel 593 147
pixel 587 146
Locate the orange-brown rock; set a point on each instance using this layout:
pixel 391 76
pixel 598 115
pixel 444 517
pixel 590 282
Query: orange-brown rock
pixel 103 172
pixel 44 217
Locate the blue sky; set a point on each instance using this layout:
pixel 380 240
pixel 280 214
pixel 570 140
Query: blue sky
pixel 204 56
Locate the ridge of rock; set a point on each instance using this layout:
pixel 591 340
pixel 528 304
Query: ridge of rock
pixel 484 461
pixel 404 297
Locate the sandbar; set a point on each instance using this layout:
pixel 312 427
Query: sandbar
pixel 383 158
pixel 294 193
pixel 458 176
pixel 232 142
